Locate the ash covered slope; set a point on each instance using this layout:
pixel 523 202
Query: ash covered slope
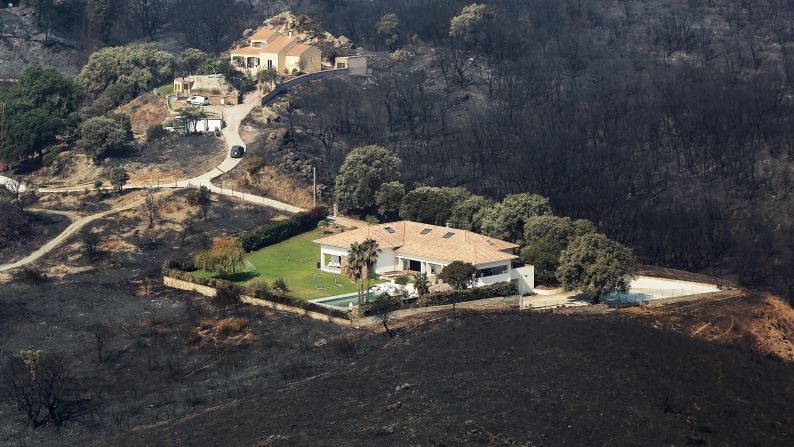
pixel 23 43
pixel 504 379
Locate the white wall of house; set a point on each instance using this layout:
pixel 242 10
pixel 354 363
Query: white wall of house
pixel 648 282
pixel 386 261
pixel 329 253
pixel 525 277
pixel 428 265
pixel 205 124
pixel 506 276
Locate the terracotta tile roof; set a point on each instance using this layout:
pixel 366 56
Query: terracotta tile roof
pixel 247 51
pixel 298 49
pixel 280 44
pixel 265 34
pixel 428 241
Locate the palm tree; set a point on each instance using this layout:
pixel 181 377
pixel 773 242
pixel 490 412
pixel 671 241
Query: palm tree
pixel 355 266
pixel 370 250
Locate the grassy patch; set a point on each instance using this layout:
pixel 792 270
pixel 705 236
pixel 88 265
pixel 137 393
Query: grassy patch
pixel 166 89
pixel 295 260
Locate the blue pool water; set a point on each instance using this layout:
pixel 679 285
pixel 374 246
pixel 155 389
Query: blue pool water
pixel 342 301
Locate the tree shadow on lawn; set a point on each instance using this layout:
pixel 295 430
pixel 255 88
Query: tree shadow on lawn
pixel 240 277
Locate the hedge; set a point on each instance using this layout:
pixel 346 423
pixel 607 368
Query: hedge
pixel 281 230
pixel 475 293
pixel 174 269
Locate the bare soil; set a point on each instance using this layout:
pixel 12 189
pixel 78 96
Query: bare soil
pixel 753 321
pixel 171 157
pixel 145 111
pixel 257 174
pixel 43 226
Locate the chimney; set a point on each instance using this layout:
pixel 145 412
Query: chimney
pixel 290 34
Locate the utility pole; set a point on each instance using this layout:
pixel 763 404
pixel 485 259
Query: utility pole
pixel 314 186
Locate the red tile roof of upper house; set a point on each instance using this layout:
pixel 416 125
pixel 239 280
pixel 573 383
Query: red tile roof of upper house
pixel 248 51
pixel 265 34
pixel 278 45
pixel 298 49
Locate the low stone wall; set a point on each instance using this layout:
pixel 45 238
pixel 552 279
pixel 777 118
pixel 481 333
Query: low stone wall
pixel 210 292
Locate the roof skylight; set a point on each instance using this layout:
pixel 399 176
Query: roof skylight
pixel 448 235
pixel 426 230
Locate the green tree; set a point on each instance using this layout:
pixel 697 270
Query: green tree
pixel 267 76
pixel 460 276
pixel 191 60
pixel 355 265
pixel 118 178
pixel 224 257
pixel 383 309
pixel 28 133
pixel 370 250
pixel 37 109
pixel 468 26
pixel 190 116
pixel 431 204
pixel 388 27
pixel 466 213
pixel 546 237
pixel 363 172
pixel 554 227
pixel 132 68
pixel 596 265
pixel 105 135
pixel 506 220
pixel 388 199
pixel 421 284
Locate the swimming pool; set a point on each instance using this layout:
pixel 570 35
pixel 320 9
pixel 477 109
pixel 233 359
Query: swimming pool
pixel 342 301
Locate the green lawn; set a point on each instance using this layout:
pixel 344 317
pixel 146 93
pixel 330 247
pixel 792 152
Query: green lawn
pixel 295 260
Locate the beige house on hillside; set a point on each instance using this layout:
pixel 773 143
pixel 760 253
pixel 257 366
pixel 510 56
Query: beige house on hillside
pixel 413 247
pixel 271 49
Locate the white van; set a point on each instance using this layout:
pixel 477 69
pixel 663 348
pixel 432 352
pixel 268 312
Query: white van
pixel 198 100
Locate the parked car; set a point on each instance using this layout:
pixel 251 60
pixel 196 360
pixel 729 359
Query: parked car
pixel 198 100
pixel 237 152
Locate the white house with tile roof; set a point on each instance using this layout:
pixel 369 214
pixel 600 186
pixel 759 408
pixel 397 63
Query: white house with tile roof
pixel 408 247
pixel 270 49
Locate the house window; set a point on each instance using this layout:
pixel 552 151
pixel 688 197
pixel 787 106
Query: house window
pixel 269 63
pixel 448 235
pixel 426 230
pixel 493 271
pixel 389 230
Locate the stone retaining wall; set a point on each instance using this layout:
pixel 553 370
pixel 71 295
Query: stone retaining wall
pixel 210 292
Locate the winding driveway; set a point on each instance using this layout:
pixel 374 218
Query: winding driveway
pixel 61 238
pixel 233 116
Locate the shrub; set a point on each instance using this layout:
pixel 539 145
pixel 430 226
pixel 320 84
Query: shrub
pixel 402 280
pixel 259 285
pixel 275 232
pixel 475 293
pixel 198 196
pixel 231 326
pixel 280 284
pixel 31 275
pixel 155 132
pixel 227 295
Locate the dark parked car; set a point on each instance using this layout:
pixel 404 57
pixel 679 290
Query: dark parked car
pixel 237 152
